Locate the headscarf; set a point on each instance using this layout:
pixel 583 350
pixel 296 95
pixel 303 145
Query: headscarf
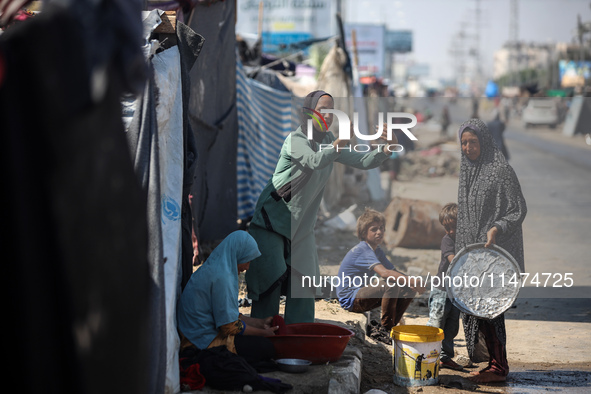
pixel 297 183
pixel 310 101
pixel 210 298
pixel 489 194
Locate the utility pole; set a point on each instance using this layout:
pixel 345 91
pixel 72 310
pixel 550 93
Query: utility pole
pixel 457 52
pixel 582 29
pixel 477 58
pixel 466 52
pixel 514 22
pixel 514 47
pixel 580 33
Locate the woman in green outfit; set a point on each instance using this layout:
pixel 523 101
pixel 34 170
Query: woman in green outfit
pixel 285 214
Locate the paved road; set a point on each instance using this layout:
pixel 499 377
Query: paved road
pixel 556 182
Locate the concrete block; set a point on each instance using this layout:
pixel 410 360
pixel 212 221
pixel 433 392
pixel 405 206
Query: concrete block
pixel 345 376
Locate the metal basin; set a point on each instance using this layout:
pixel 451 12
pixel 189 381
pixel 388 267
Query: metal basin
pixel 488 280
pixel 293 365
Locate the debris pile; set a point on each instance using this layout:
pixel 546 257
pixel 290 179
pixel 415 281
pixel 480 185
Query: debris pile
pixel 433 162
pixel 413 224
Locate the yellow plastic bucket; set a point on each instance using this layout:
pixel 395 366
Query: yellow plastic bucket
pixel 415 355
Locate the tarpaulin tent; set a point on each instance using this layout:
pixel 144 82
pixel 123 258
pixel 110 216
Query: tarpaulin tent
pixel 163 152
pixel 264 120
pixel 213 118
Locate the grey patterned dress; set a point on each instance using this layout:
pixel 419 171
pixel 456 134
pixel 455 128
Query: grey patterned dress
pixel 489 194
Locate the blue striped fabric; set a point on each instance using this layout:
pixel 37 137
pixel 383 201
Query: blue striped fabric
pixel 264 120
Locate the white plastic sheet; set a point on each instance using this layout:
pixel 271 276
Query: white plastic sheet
pixel 169 113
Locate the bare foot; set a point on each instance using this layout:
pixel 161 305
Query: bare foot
pixel 487 377
pixel 479 372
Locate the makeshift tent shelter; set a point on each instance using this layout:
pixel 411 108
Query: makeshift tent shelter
pixel 163 152
pixel 213 118
pixel 264 120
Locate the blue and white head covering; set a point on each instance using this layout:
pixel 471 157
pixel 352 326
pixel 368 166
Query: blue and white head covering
pixel 210 298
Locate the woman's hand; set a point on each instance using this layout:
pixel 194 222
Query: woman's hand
pixel 270 331
pixel 267 326
pixel 267 322
pixel 491 237
pixel 256 327
pixel 256 322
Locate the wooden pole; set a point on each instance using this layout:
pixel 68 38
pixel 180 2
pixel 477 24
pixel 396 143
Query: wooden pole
pixel 260 27
pixel 355 70
pixel 354 47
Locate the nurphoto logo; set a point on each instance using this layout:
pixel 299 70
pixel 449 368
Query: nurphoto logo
pixel 393 121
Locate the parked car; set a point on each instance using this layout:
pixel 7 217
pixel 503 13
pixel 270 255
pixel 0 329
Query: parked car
pixel 541 111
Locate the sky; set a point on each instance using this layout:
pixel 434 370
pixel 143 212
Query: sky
pixel 435 22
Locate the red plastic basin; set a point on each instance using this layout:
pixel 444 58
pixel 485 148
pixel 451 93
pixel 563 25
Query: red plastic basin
pixel 316 342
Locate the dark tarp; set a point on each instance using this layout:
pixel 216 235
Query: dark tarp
pixel 190 45
pixel 76 276
pixel 212 113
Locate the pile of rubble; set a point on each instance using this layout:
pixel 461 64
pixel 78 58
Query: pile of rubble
pixel 433 162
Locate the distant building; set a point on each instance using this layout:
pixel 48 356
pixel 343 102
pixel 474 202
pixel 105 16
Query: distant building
pixel 514 57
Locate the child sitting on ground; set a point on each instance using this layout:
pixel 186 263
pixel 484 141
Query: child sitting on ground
pixel 442 313
pixel 393 291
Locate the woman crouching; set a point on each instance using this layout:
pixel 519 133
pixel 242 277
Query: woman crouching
pixel 208 314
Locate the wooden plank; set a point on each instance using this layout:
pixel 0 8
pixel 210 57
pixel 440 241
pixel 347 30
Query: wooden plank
pixel 168 25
